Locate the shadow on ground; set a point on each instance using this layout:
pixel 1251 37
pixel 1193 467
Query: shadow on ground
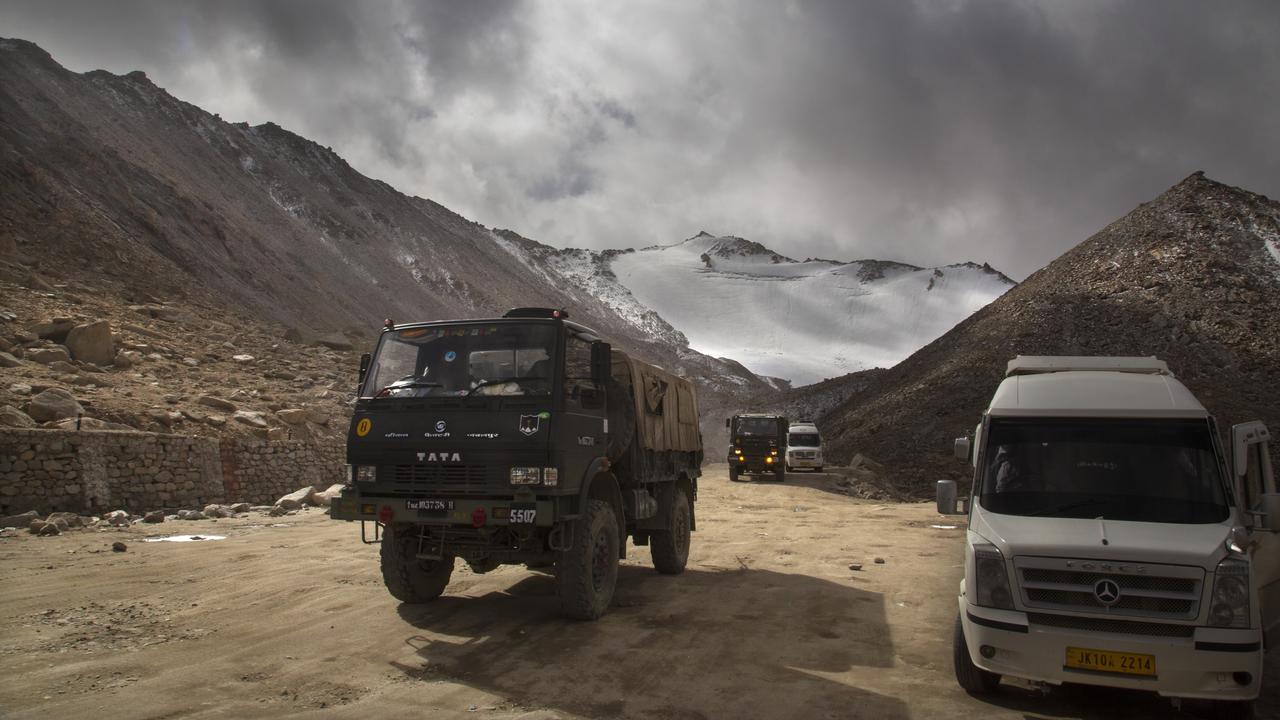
pixel 738 643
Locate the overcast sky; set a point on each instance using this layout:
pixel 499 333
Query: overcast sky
pixel 925 132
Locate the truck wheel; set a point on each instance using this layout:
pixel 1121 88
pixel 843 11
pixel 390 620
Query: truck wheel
pixel 972 678
pixel 780 474
pixel 733 475
pixel 407 578
pixel 588 571
pixel 670 547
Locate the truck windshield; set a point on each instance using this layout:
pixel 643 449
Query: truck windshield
pixel 803 440
pixel 1163 471
pixel 757 426
pixel 457 360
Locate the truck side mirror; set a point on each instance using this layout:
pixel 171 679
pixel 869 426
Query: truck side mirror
pixel 601 362
pixel 962 448
pixel 1270 519
pixel 726 422
pixel 364 369
pixel 947 501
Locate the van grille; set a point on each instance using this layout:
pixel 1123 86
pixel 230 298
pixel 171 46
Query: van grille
pixel 1169 592
pixel 1107 625
pixel 426 478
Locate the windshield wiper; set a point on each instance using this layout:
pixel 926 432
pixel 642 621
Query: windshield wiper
pixel 412 381
pixel 502 381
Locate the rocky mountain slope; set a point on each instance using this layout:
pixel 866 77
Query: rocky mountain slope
pixel 133 196
pixel 1192 277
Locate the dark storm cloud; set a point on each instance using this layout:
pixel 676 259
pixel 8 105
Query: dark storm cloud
pixel 929 132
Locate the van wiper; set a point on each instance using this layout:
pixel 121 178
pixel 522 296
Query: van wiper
pixel 501 381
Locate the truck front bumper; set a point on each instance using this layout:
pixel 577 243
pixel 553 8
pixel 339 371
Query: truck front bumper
pixel 476 512
pixel 1208 665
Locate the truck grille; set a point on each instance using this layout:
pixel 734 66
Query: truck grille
pixel 429 478
pixel 1170 592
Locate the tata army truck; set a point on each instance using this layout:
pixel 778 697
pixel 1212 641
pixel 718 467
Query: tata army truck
pixel 1114 540
pixel 757 444
pixel 525 439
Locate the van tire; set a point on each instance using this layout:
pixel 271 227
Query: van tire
pixel 670 547
pixel 587 572
pixel 972 678
pixel 408 579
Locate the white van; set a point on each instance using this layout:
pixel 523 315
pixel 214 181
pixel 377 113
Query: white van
pixel 1110 542
pixel 804 447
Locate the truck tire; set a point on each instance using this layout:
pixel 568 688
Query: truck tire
pixel 733 475
pixel 407 578
pixel 972 678
pixel 670 547
pixel 587 572
pixel 780 474
pixel 621 413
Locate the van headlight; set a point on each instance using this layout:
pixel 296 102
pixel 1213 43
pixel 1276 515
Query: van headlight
pixel 991 578
pixel 1230 604
pixel 364 473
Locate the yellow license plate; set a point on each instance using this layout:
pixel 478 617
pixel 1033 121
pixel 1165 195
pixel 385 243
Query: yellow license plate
pixel 1111 662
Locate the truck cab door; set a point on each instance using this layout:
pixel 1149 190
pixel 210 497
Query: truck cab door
pixel 582 422
pixel 1256 488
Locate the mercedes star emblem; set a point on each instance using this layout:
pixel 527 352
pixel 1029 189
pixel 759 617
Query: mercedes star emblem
pixel 1107 592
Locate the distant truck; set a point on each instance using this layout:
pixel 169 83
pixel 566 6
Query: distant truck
pixel 522 439
pixel 1110 540
pixel 804 447
pixel 756 445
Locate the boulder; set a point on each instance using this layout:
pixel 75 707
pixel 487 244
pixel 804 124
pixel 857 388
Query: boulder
pixel 251 418
pixel 9 361
pixel 56 329
pixel 277 511
pixel 217 511
pixel 92 343
pixel 327 496
pixel 292 416
pixel 155 516
pixel 318 416
pixel 119 518
pixel 63 367
pixel 242 359
pixel 126 359
pixel 40 527
pixel 69 519
pixel 21 520
pixel 190 515
pixel 240 508
pixel 118 546
pixel 91 424
pixel 54 404
pixel 297 498
pixel 216 403
pixel 13 417
pixel 46 355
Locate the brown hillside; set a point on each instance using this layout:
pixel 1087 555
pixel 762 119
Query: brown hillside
pixel 1188 277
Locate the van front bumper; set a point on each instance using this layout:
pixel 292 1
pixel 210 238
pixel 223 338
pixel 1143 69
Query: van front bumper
pixel 1207 665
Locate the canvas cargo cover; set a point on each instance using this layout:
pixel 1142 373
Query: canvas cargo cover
pixel 666 405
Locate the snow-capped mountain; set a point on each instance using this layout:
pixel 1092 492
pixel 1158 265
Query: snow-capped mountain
pixel 801 321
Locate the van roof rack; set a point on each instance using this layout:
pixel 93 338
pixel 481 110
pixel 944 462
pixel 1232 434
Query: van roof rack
pixel 1037 364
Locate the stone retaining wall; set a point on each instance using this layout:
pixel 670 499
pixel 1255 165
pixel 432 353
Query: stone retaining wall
pixel 96 471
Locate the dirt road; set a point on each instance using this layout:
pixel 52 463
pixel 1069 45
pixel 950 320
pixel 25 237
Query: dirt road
pixel 288 617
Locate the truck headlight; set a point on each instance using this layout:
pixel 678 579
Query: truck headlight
pixel 526 475
pixel 991 578
pixel 551 476
pixel 1230 604
pixel 364 473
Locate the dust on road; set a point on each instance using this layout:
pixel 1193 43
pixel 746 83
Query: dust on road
pixel 290 618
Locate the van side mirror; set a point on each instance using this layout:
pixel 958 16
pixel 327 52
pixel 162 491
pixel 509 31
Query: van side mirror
pixel 601 362
pixel 962 448
pixel 365 359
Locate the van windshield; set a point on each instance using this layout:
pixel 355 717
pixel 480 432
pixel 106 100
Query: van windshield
pixel 1163 471
pixel 758 426
pixel 458 360
pixel 804 440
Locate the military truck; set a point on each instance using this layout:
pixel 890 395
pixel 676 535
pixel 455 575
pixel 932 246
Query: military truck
pixel 756 444
pixel 525 439
pixel 1114 539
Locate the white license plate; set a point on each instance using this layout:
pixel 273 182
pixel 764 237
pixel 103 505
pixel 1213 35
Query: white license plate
pixel 432 504
pixel 527 515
